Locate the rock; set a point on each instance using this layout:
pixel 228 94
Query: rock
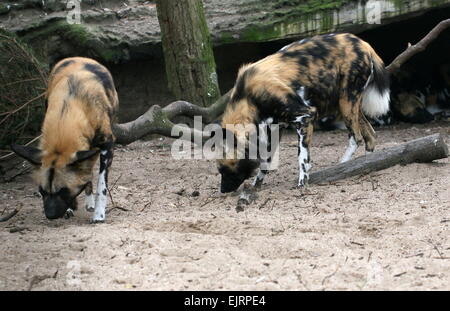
pixel 109 26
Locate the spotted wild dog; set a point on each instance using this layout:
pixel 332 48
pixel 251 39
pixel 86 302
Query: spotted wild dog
pixel 319 75
pixel 421 98
pixel 81 105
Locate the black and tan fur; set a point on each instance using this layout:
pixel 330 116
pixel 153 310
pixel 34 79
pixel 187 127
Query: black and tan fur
pixel 77 130
pixel 421 98
pixel 321 75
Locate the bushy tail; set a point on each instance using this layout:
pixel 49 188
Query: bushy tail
pixel 375 102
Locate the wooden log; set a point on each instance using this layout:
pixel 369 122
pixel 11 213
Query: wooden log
pixel 424 149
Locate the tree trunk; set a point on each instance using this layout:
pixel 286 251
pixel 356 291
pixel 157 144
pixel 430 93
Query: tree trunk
pixel 188 54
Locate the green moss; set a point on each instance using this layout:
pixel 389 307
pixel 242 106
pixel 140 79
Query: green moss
pixel 207 57
pixel 288 17
pixel 301 7
pixel 4 8
pixel 110 55
pixel 81 38
pixel 327 22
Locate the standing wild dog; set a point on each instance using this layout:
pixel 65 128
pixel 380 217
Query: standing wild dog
pixel 321 75
pixel 81 105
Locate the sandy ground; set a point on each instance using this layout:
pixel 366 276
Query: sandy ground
pixel 385 231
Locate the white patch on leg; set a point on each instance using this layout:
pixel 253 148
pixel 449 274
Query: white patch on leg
pixel 89 204
pixel 434 109
pixel 300 119
pixel 263 136
pixel 101 200
pixel 69 213
pixel 352 146
pixel 259 178
pixel 301 94
pixel 308 167
pixel 302 161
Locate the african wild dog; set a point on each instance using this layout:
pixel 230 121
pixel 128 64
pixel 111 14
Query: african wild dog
pixel 416 97
pixel 322 74
pixel 81 105
pixel 421 98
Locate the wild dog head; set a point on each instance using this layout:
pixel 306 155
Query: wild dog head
pixel 234 172
pixel 60 176
pixel 239 155
pixel 410 107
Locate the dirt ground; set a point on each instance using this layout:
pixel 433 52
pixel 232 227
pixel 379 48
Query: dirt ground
pixel 385 231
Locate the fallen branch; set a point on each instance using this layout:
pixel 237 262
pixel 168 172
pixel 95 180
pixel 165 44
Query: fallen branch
pixel 425 149
pixel 418 47
pixel 421 150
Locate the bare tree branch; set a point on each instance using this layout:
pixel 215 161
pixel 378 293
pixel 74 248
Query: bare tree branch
pixel 419 47
pixel 157 120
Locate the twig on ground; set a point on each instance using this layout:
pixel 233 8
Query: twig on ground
pixel 118 207
pixel 264 203
pixel 334 272
pixel 9 216
pixel 145 206
pixel 208 201
pixel 110 195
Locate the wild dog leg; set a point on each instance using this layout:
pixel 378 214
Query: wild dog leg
pixel 265 141
pixel 304 132
pixel 303 155
pixel 368 133
pixel 352 147
pixel 69 213
pixel 89 204
pixel 350 112
pixel 106 157
pixel 259 178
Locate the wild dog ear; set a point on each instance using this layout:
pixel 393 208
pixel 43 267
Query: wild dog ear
pixel 81 156
pixel 31 154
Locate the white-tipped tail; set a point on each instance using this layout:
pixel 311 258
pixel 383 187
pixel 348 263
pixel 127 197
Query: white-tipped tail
pixel 374 102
